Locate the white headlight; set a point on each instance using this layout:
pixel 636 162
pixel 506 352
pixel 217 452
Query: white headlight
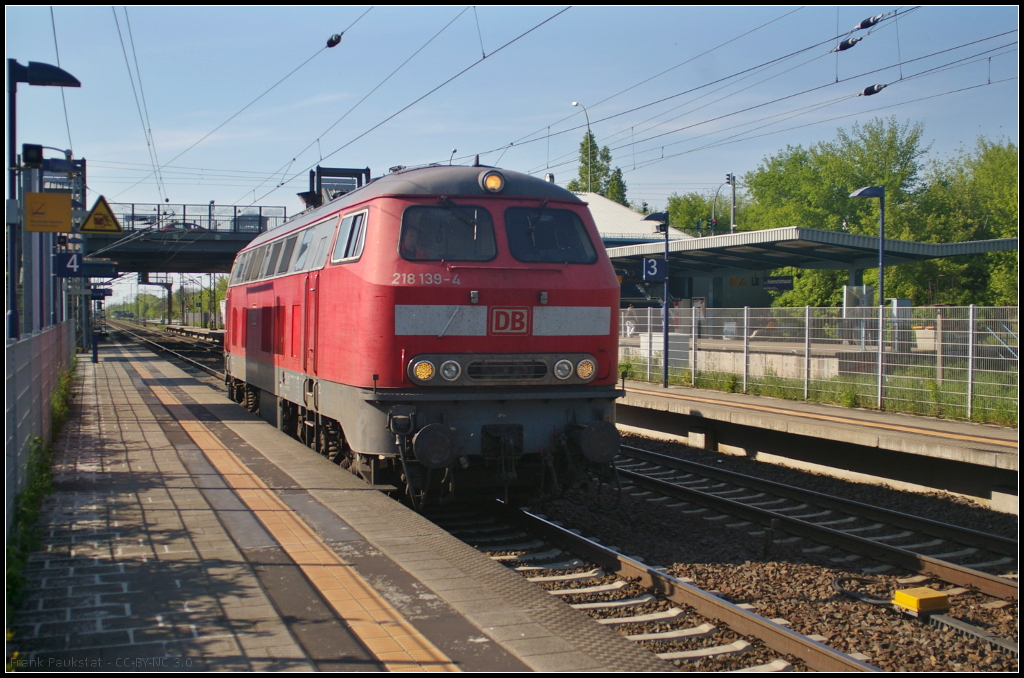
pixel 563 369
pixel 451 370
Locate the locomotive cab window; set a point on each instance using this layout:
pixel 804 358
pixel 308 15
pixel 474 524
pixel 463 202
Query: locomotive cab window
pixel 540 235
pixel 351 237
pixel 450 232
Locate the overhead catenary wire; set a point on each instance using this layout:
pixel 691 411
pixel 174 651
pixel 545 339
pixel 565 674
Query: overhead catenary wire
pixel 860 75
pixel 67 121
pixel 142 94
pixel 435 89
pixel 283 170
pixel 527 139
pixel 266 92
pixel 832 119
pixel 745 73
pixel 138 107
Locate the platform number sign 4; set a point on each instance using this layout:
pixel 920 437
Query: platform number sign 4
pixel 654 270
pixel 69 265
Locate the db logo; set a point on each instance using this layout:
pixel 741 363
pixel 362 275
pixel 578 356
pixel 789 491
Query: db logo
pixel 510 320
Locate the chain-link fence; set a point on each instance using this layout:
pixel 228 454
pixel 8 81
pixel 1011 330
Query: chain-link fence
pixel 952 362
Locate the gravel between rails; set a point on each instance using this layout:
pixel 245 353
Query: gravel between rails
pixel 797 586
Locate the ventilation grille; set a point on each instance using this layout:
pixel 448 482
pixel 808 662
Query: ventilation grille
pixel 507 370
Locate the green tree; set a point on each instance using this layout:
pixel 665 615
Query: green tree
pixel 686 209
pixel 617 188
pixel 596 174
pixel 973 196
pixel 811 188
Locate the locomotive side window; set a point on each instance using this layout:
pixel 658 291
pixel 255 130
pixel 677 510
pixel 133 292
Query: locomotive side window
pixel 270 267
pixel 450 232
pixel 300 258
pixel 286 255
pixel 536 234
pixel 252 270
pixel 236 273
pixel 322 238
pixel 351 236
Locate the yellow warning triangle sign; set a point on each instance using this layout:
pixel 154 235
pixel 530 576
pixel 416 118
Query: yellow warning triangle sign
pixel 101 219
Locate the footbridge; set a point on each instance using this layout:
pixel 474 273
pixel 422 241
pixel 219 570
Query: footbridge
pixel 181 238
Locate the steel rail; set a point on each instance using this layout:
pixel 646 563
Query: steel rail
pixel 818 656
pixel 991 542
pixel 915 562
pixel 150 342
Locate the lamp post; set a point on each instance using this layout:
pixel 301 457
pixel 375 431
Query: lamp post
pixel 590 151
pixel 34 74
pixel 662 219
pixel 878 192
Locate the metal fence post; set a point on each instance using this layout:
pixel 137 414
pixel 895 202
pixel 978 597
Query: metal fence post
pixel 881 354
pixel 650 343
pixel 807 352
pixel 746 345
pixel 970 362
pixel 693 346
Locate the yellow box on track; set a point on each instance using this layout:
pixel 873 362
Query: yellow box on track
pixel 921 600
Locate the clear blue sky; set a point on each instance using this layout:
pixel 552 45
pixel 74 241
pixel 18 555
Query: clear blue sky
pixel 199 66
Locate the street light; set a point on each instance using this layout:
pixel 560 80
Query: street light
pixel 878 192
pixel 590 151
pixel 34 74
pixel 662 219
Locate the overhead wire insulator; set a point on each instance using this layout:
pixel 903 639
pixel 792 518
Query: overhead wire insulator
pixel 869 22
pixel 334 39
pixel 874 89
pixel 846 44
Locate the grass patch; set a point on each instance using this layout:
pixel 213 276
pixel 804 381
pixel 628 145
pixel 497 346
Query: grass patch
pixel 913 389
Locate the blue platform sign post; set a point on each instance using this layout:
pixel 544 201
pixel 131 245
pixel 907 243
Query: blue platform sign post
pixel 661 219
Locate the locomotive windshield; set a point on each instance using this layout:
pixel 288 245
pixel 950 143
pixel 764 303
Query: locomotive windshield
pixel 449 232
pixel 548 235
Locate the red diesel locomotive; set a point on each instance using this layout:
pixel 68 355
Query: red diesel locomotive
pixel 447 330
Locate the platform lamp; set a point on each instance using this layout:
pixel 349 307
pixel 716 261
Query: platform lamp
pixel 590 152
pixel 34 74
pixel 878 192
pixel 662 227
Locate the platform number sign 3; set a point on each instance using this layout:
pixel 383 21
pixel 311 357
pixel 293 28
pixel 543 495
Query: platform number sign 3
pixel 654 270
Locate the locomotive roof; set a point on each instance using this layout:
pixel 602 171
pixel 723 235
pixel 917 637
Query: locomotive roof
pixel 451 180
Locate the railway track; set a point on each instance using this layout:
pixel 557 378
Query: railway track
pixel 954 554
pixel 200 354
pixel 691 628
pixel 712 630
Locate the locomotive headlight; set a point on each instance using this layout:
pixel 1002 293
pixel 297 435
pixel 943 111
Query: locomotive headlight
pixel 423 370
pixel 451 370
pixel 563 369
pixel 492 182
pixel 586 368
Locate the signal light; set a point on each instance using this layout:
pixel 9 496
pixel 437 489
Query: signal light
pixel 32 155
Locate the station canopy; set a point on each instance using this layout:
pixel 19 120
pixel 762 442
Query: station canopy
pixel 735 253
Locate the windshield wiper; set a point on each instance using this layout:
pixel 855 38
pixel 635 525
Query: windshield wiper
pixel 446 202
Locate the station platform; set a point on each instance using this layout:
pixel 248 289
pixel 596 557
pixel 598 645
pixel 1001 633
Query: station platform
pixel 838 437
pixel 186 534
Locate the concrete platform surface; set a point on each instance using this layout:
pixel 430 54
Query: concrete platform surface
pixel 982 445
